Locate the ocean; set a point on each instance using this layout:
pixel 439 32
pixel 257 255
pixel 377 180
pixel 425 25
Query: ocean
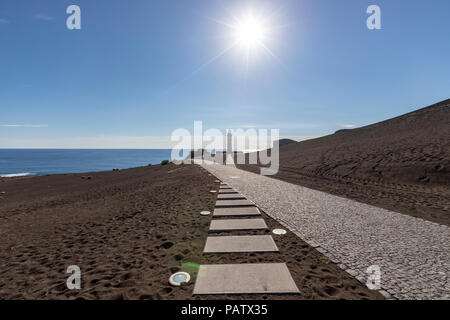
pixel 23 162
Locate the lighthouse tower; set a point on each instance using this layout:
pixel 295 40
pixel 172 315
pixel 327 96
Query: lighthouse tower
pixel 229 156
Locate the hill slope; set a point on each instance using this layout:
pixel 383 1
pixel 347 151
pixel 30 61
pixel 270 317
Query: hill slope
pixel 402 164
pixel 284 142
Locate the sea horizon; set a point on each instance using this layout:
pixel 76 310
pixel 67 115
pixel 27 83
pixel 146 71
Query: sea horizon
pixel 16 162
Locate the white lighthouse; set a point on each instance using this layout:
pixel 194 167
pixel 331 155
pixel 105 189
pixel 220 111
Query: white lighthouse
pixel 229 156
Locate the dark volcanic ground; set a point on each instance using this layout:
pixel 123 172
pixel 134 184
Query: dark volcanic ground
pixel 401 164
pixel 128 231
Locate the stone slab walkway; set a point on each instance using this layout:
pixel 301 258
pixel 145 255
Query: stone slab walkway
pixel 226 191
pixel 237 224
pixel 244 278
pixel 230 212
pixel 229 244
pixel 230 196
pixel 234 203
pixel 227 278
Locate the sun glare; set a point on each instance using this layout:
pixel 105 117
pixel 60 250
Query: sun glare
pixel 250 31
pixel 251 34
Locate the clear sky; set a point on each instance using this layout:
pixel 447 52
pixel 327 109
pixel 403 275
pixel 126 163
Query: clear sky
pixel 140 69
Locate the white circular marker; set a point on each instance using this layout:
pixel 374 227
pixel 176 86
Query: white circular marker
pixel 205 213
pixel 178 278
pixel 279 231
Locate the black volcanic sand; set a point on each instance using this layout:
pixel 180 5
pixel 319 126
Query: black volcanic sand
pixel 402 164
pixel 128 231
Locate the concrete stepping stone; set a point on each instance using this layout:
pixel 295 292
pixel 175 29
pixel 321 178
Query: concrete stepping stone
pixel 229 244
pixel 227 191
pixel 247 278
pixel 230 196
pixel 237 224
pixel 234 203
pixel 224 187
pixel 236 212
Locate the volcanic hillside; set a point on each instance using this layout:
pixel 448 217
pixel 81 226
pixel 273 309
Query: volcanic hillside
pixel 402 164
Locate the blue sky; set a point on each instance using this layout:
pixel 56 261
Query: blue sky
pixel 140 69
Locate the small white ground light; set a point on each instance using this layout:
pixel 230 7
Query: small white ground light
pixel 178 278
pixel 279 231
pixel 205 213
pixel 213 191
pixel 217 180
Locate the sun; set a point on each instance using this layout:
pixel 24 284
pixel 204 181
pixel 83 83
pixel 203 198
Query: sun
pixel 250 36
pixel 250 31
